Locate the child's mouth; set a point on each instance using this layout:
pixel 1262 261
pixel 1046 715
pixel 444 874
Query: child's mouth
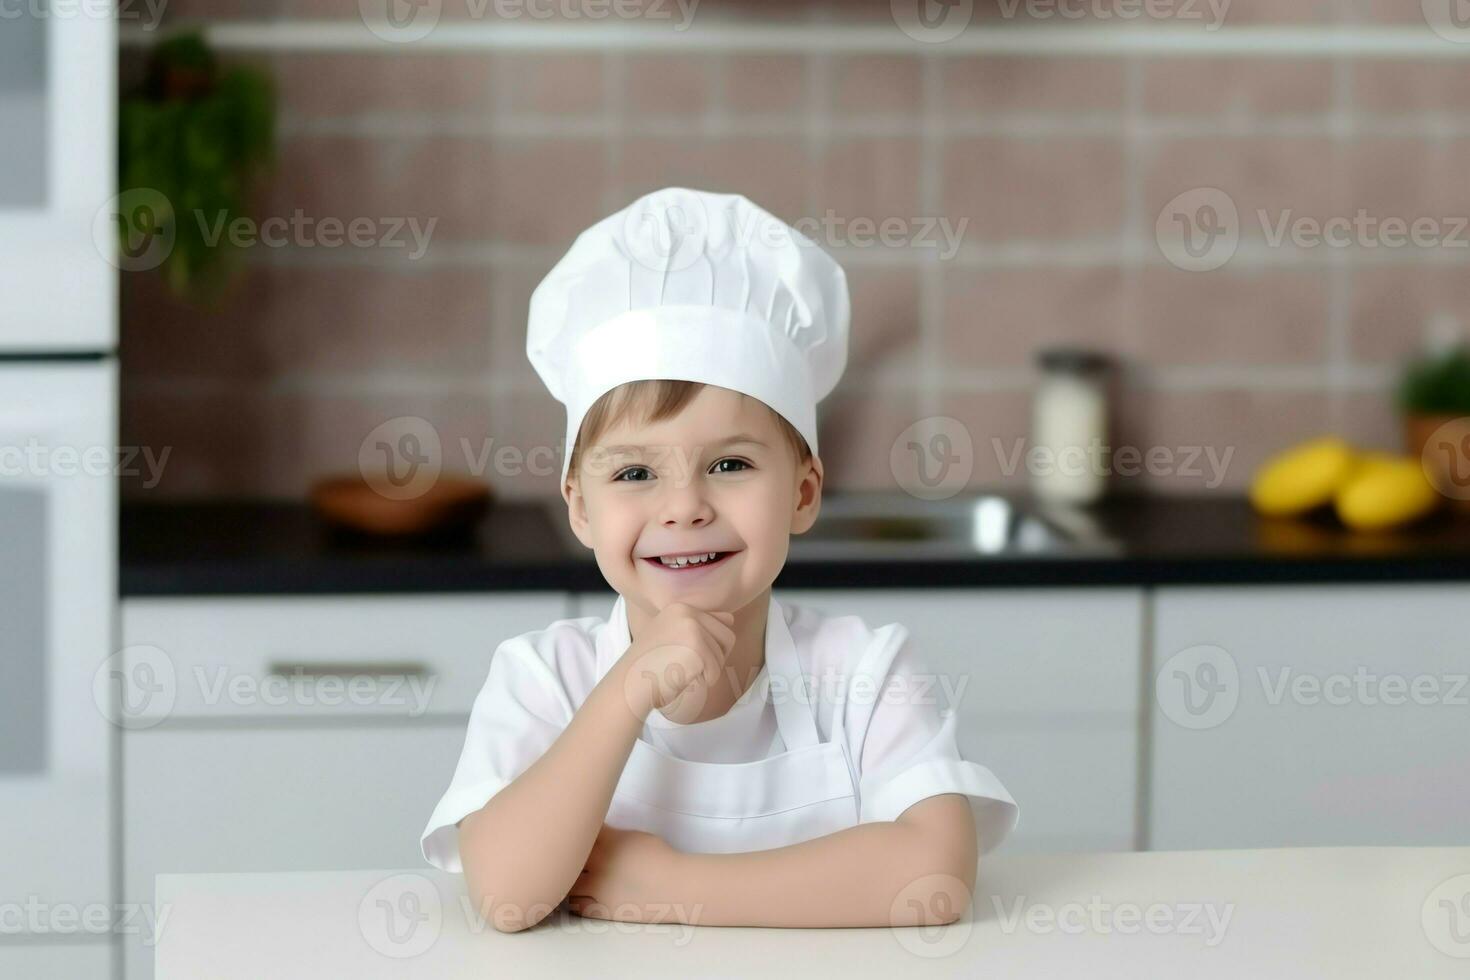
pixel 688 564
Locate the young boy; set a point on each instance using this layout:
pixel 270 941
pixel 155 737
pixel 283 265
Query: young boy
pixel 705 754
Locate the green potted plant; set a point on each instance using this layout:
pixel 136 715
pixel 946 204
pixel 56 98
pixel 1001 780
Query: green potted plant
pixel 191 139
pixel 1433 394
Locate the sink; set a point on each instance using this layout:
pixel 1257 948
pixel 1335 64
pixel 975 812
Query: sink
pixel 902 526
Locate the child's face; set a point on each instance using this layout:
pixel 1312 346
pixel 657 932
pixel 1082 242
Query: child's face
pixel 688 490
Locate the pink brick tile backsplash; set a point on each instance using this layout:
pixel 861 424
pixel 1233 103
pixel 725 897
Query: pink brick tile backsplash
pixel 549 83
pixel 439 178
pixel 1049 170
pixel 1373 421
pixel 1199 86
pixel 521 190
pixel 866 85
pixel 215 440
pixel 1393 305
pixel 765 84
pixel 1035 188
pixel 856 430
pixel 1237 428
pixel 1257 316
pixel 1395 176
pixel 868 177
pixel 284 320
pixel 886 318
pixel 232 441
pixel 1284 176
pixel 1394 87
pixel 997 318
pixel 1384 11
pixel 344 83
pixel 770 170
pixel 998 422
pixel 1007 83
pixel 663 84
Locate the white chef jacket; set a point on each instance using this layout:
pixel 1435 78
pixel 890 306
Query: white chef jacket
pixel 829 681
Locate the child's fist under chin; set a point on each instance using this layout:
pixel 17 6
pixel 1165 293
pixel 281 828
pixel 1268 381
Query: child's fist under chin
pixel 673 663
pixel 628 877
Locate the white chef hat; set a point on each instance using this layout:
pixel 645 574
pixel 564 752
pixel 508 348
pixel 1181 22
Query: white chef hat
pixel 694 286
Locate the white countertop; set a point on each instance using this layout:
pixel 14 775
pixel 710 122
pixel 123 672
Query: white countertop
pixel 1300 912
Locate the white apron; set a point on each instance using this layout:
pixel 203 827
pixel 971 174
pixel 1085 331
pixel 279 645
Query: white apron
pixel 808 791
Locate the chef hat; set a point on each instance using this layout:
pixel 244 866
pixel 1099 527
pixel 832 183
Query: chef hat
pixel 693 286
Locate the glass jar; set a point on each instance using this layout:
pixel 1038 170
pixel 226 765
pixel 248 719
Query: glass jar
pixel 1068 460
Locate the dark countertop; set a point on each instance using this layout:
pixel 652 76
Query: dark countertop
pixel 273 548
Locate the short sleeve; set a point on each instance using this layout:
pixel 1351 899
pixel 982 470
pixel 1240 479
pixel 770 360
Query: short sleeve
pixel 518 714
pixel 904 732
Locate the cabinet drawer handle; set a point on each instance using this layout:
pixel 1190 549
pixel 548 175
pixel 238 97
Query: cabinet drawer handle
pixel 296 668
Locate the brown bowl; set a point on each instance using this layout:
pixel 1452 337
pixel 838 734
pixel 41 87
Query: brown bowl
pixel 350 502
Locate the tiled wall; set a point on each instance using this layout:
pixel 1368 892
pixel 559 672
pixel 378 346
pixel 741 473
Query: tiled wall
pixel 1060 162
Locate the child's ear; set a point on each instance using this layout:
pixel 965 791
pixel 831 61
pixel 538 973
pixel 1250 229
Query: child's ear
pixel 571 492
pixel 808 495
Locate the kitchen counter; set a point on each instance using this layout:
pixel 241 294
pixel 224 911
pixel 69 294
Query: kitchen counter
pixel 1309 912
pixel 266 548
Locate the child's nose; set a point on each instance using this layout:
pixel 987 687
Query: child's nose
pixel 686 504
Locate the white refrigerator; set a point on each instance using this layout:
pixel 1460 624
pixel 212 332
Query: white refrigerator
pixel 58 490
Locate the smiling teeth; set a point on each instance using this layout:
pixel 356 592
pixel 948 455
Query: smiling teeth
pixel 689 560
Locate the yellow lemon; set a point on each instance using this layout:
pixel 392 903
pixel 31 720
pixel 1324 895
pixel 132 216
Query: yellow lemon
pixel 1384 492
pixel 1303 477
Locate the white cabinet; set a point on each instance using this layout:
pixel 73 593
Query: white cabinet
pixel 277 799
pixel 360 655
pixel 60 961
pixel 1289 716
pixel 593 603
pixel 1050 696
pixel 298 733
pixel 58 177
pixel 58 560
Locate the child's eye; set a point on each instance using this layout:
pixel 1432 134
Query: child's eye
pixel 624 477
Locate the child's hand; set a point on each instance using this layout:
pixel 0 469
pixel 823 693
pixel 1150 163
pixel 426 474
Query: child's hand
pixel 629 878
pixel 679 657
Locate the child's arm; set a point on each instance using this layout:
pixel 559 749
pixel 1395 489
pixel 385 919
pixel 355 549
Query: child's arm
pixel 916 870
pixel 522 851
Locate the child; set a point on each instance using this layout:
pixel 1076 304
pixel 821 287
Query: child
pixel 706 754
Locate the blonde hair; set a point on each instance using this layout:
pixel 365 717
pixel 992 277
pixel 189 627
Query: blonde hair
pixel 654 401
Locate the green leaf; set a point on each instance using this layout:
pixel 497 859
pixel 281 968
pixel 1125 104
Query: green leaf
pixel 196 135
pixel 1437 385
